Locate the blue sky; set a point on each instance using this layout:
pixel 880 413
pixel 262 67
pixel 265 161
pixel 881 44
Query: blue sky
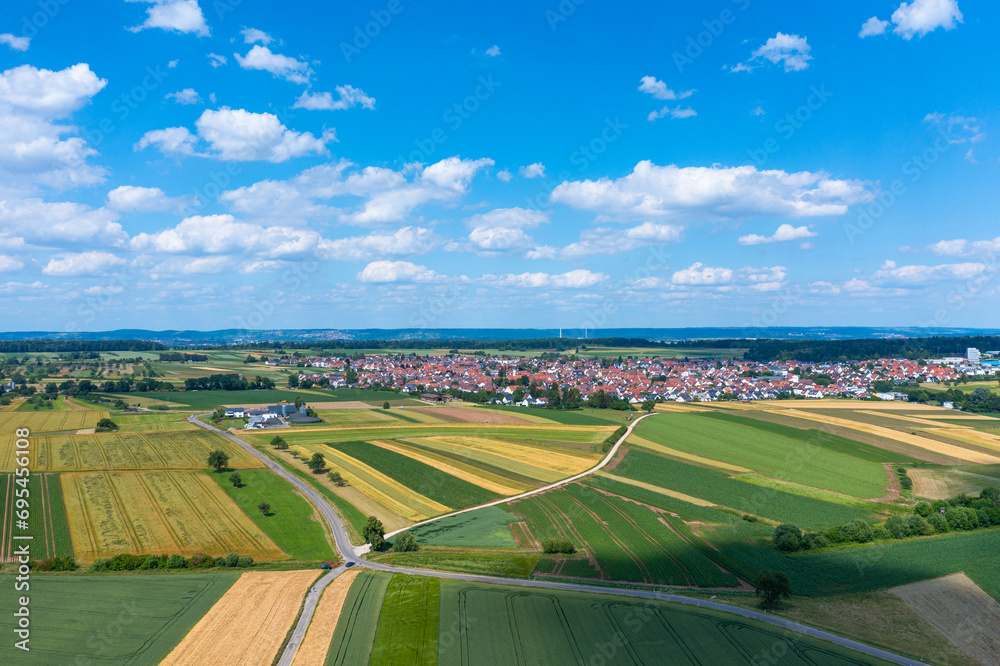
pixel 243 164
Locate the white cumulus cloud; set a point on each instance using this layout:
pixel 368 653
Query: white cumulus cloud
pixel 182 16
pixel 873 27
pixel 653 191
pixel 82 263
pixel 284 67
pixel 384 272
pixel 347 97
pixel 923 16
pixel 14 42
pixel 784 233
pixel 790 50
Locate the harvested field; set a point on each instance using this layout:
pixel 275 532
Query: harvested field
pixel 125 451
pixel 472 415
pixel 949 482
pixel 912 440
pixel 347 404
pixel 961 611
pixel 317 641
pixel 158 513
pixel 249 623
pixel 352 417
pixel 514 433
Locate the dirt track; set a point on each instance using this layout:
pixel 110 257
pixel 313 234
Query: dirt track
pixel 313 650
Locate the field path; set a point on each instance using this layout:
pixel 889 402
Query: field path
pixel 347 551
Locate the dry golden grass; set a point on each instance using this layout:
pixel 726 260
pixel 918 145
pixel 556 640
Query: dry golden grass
pixel 656 489
pixel 684 407
pixel 644 443
pixel 969 436
pixel 347 404
pixel 476 415
pixel 951 450
pixel 947 482
pixel 248 624
pixel 317 641
pixel 956 607
pixel 830 403
pixel 492 482
pixel 158 513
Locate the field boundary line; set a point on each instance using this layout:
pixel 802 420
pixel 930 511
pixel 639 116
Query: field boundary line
pixel 160 513
pixel 599 466
pixel 120 507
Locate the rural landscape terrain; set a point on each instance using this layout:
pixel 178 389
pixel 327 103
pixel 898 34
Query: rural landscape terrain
pixel 170 504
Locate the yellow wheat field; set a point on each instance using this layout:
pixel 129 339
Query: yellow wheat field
pixel 248 624
pixel 461 446
pixel 320 634
pixel 382 488
pixel 158 513
pixel 951 450
pixel 566 462
pixel 185 449
pixel 483 479
pixel 969 436
pixel 39 422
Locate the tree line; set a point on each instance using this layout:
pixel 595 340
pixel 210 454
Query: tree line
pixel 29 346
pixel 819 351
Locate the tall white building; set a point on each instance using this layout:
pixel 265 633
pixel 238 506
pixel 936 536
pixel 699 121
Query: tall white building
pixel 972 355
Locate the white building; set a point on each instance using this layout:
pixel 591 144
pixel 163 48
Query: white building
pixel 972 355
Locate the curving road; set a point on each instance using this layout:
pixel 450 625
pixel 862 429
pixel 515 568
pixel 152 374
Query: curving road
pixel 348 552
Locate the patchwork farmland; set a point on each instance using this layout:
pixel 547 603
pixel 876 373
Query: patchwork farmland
pixel 158 513
pixel 413 620
pixel 48 526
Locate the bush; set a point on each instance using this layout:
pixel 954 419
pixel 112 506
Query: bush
pixel 405 543
pixel 897 527
pixel 245 562
pixel 613 438
pixel 858 531
pixel 232 560
pixel 924 509
pixel 176 562
pixel 814 541
pixel 152 562
pixel 564 546
pixel 788 537
pixel 55 564
pixel 938 523
pixel 917 525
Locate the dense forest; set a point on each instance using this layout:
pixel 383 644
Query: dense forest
pixel 817 351
pixel 60 346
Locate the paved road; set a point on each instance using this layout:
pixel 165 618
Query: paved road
pixel 347 551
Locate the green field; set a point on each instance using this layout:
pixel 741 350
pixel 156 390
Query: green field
pixel 408 624
pixel 628 542
pixel 483 528
pixel 770 453
pixel 359 619
pixel 108 620
pixel 422 479
pixel 719 488
pixel 494 624
pixel 48 525
pixel 291 525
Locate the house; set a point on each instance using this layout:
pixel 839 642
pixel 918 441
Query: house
pixel 235 413
pixel 282 410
